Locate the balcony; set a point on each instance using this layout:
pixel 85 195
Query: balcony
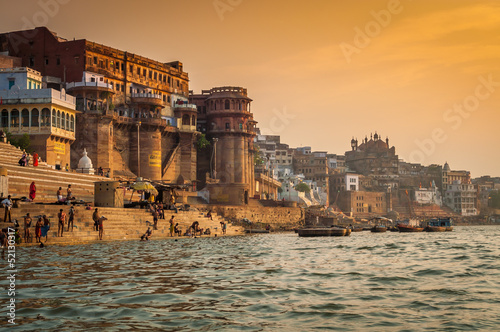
pixel 191 107
pixel 99 86
pixel 147 98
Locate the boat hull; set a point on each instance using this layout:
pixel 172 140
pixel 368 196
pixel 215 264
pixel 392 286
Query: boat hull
pixel 316 232
pixel 378 229
pixel 435 229
pixel 410 229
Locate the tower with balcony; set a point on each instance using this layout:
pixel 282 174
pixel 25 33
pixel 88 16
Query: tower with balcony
pixel 229 124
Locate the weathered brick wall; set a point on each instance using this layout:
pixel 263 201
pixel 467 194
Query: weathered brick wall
pixel 275 216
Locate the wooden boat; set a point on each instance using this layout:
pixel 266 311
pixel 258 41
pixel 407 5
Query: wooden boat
pixel 439 225
pixel 409 229
pixel 322 231
pixel 357 229
pixel 378 229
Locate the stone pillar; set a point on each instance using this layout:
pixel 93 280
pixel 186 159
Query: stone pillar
pixel 229 159
pixel 150 153
pixel 239 160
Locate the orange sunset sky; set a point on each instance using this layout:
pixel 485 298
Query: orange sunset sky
pixel 424 73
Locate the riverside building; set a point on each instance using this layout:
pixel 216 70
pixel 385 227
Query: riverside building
pixel 134 118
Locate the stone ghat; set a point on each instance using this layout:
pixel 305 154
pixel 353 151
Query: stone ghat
pixel 122 224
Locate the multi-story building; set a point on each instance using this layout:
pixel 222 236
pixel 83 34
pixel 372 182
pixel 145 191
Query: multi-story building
pixel 314 167
pixel 46 115
pixel 449 176
pixel 229 124
pixel 336 163
pixel 462 198
pixel 129 104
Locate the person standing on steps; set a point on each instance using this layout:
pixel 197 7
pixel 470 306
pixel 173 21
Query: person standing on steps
pixel 101 226
pixel 35 159
pixel 95 217
pixel 27 226
pixel 59 194
pixel 61 216
pixel 32 194
pixel 172 227
pixel 7 204
pixel 45 228
pixel 38 230
pixel 71 214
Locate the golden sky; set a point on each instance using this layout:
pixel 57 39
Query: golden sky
pixel 424 73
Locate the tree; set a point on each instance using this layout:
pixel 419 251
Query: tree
pixel 22 142
pixel 494 200
pixel 257 157
pixel 302 187
pixel 202 142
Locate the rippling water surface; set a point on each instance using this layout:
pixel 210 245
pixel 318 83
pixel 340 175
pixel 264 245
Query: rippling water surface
pixel 368 281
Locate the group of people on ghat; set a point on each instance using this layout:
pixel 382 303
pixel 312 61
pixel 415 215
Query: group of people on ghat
pixel 65 199
pixel 25 159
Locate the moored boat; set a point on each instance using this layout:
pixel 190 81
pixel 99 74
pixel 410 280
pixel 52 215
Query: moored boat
pixel 322 231
pixel 378 229
pixel 409 229
pixel 439 225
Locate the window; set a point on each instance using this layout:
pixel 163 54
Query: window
pixel 156 75
pixel 150 74
pixel 14 118
pixel 58 61
pixel 46 61
pixel 12 82
pixel 34 118
pixel 123 66
pixel 95 60
pixel 227 125
pixel 131 68
pixel 5 119
pixel 241 126
pixel 144 72
pixel 76 60
pixel 226 104
pixel 138 71
pixel 45 117
pixel 32 61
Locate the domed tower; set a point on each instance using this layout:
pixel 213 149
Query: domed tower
pixel 230 125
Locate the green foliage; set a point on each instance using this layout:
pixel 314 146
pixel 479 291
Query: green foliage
pixel 22 142
pixel 494 200
pixel 202 142
pixel 258 159
pixel 302 187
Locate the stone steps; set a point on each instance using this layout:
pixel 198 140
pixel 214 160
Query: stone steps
pixel 122 224
pixel 47 180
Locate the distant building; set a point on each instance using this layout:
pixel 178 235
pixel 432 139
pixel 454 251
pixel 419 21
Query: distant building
pixel 462 198
pixel 372 156
pixel 46 115
pixel 430 195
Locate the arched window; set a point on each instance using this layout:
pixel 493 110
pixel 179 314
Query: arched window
pixel 14 118
pixel 239 106
pixel 72 123
pixel 68 127
pixel 5 118
pixel 226 105
pixel 193 121
pixel 45 117
pixel 185 120
pixel 34 117
pixel 54 118
pixel 25 118
pixel 58 119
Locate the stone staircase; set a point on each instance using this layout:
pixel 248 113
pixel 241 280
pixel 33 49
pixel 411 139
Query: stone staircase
pixel 47 179
pixel 122 224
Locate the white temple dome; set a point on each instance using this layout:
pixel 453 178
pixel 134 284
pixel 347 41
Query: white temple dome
pixel 85 164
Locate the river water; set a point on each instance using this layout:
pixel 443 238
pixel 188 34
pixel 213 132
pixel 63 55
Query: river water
pixel 269 282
